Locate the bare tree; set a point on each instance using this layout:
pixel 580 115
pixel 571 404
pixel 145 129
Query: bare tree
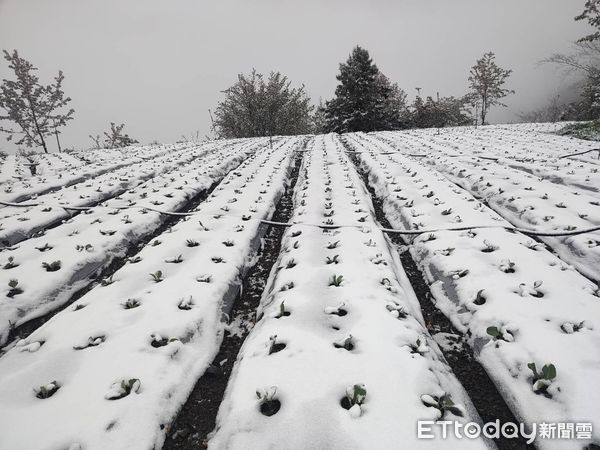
pixel 553 111
pixel 585 58
pixel 487 83
pixel 35 108
pixel 115 138
pixel 584 61
pixel 192 137
pixel 96 140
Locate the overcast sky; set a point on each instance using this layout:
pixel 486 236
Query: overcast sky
pixel 158 65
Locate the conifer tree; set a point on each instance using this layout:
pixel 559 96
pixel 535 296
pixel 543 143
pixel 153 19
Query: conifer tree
pixel 365 99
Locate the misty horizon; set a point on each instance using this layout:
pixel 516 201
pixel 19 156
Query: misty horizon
pixel 159 67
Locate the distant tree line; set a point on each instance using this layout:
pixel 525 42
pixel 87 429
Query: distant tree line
pixel 256 105
pixel 364 100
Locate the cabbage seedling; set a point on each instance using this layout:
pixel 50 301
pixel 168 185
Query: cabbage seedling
pixel 502 333
pixel 443 403
pixel 10 264
pixel 542 380
pixel 157 276
pixel 354 399
pixel 336 280
pixel 123 389
pixel 282 312
pixel 51 267
pixel 47 390
pixel 14 289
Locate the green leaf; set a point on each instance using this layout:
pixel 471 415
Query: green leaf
pixel 533 369
pixel 493 331
pixel 359 394
pixel 549 371
pixel 456 411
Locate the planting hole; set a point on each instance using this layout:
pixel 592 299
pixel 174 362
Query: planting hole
pixel 479 298
pixel 276 347
pixel 270 407
pixel 346 403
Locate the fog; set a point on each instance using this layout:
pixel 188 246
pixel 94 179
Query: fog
pixel 159 65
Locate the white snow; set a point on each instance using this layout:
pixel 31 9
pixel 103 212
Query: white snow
pixel 339 340
pixel 310 376
pixel 90 407
pixel 491 295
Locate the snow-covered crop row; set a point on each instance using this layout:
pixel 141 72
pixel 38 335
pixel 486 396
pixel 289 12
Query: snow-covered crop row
pixel 18 165
pixel 555 143
pixel 526 201
pixel 19 223
pixel 339 357
pixel 541 155
pixel 532 321
pixel 50 268
pixel 7 167
pixel 25 187
pixel 535 154
pixel 520 143
pixel 104 155
pixel 113 369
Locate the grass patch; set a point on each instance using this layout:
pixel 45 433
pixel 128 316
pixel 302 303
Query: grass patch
pixel 582 130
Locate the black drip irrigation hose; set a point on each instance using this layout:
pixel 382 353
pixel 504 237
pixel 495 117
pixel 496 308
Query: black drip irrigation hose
pixel 108 269
pixel 527 231
pixel 581 153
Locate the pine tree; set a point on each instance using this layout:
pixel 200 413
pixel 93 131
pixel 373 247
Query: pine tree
pixel 391 112
pixel 319 118
pixel 35 108
pixel 365 100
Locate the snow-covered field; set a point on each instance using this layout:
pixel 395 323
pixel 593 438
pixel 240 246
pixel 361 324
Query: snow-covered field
pixel 112 310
